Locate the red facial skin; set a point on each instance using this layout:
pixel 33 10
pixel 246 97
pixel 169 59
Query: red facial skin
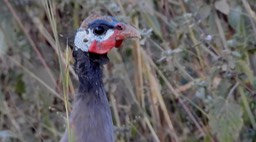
pixel 104 47
pixel 122 32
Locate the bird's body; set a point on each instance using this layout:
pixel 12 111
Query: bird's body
pixel 90 119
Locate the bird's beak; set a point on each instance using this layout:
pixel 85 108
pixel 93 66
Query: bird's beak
pixel 126 31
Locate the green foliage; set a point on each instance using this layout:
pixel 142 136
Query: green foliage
pixel 225 119
pixel 20 85
pixel 234 17
pixel 244 68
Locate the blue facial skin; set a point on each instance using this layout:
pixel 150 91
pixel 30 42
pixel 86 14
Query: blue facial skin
pixel 109 25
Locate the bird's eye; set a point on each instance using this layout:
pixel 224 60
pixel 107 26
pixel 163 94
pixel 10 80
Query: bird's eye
pixel 99 30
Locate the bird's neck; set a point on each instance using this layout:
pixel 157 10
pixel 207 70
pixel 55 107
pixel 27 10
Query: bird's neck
pixel 89 68
pixel 91 115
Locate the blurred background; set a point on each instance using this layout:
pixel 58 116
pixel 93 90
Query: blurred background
pixel 191 78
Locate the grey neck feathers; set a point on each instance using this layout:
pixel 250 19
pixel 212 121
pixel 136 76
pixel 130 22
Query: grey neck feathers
pixel 91 116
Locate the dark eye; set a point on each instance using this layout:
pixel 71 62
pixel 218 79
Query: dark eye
pixel 99 30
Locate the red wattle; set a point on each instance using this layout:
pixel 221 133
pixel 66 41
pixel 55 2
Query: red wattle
pixel 118 43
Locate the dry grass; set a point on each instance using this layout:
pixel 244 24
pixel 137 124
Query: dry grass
pixel 190 78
